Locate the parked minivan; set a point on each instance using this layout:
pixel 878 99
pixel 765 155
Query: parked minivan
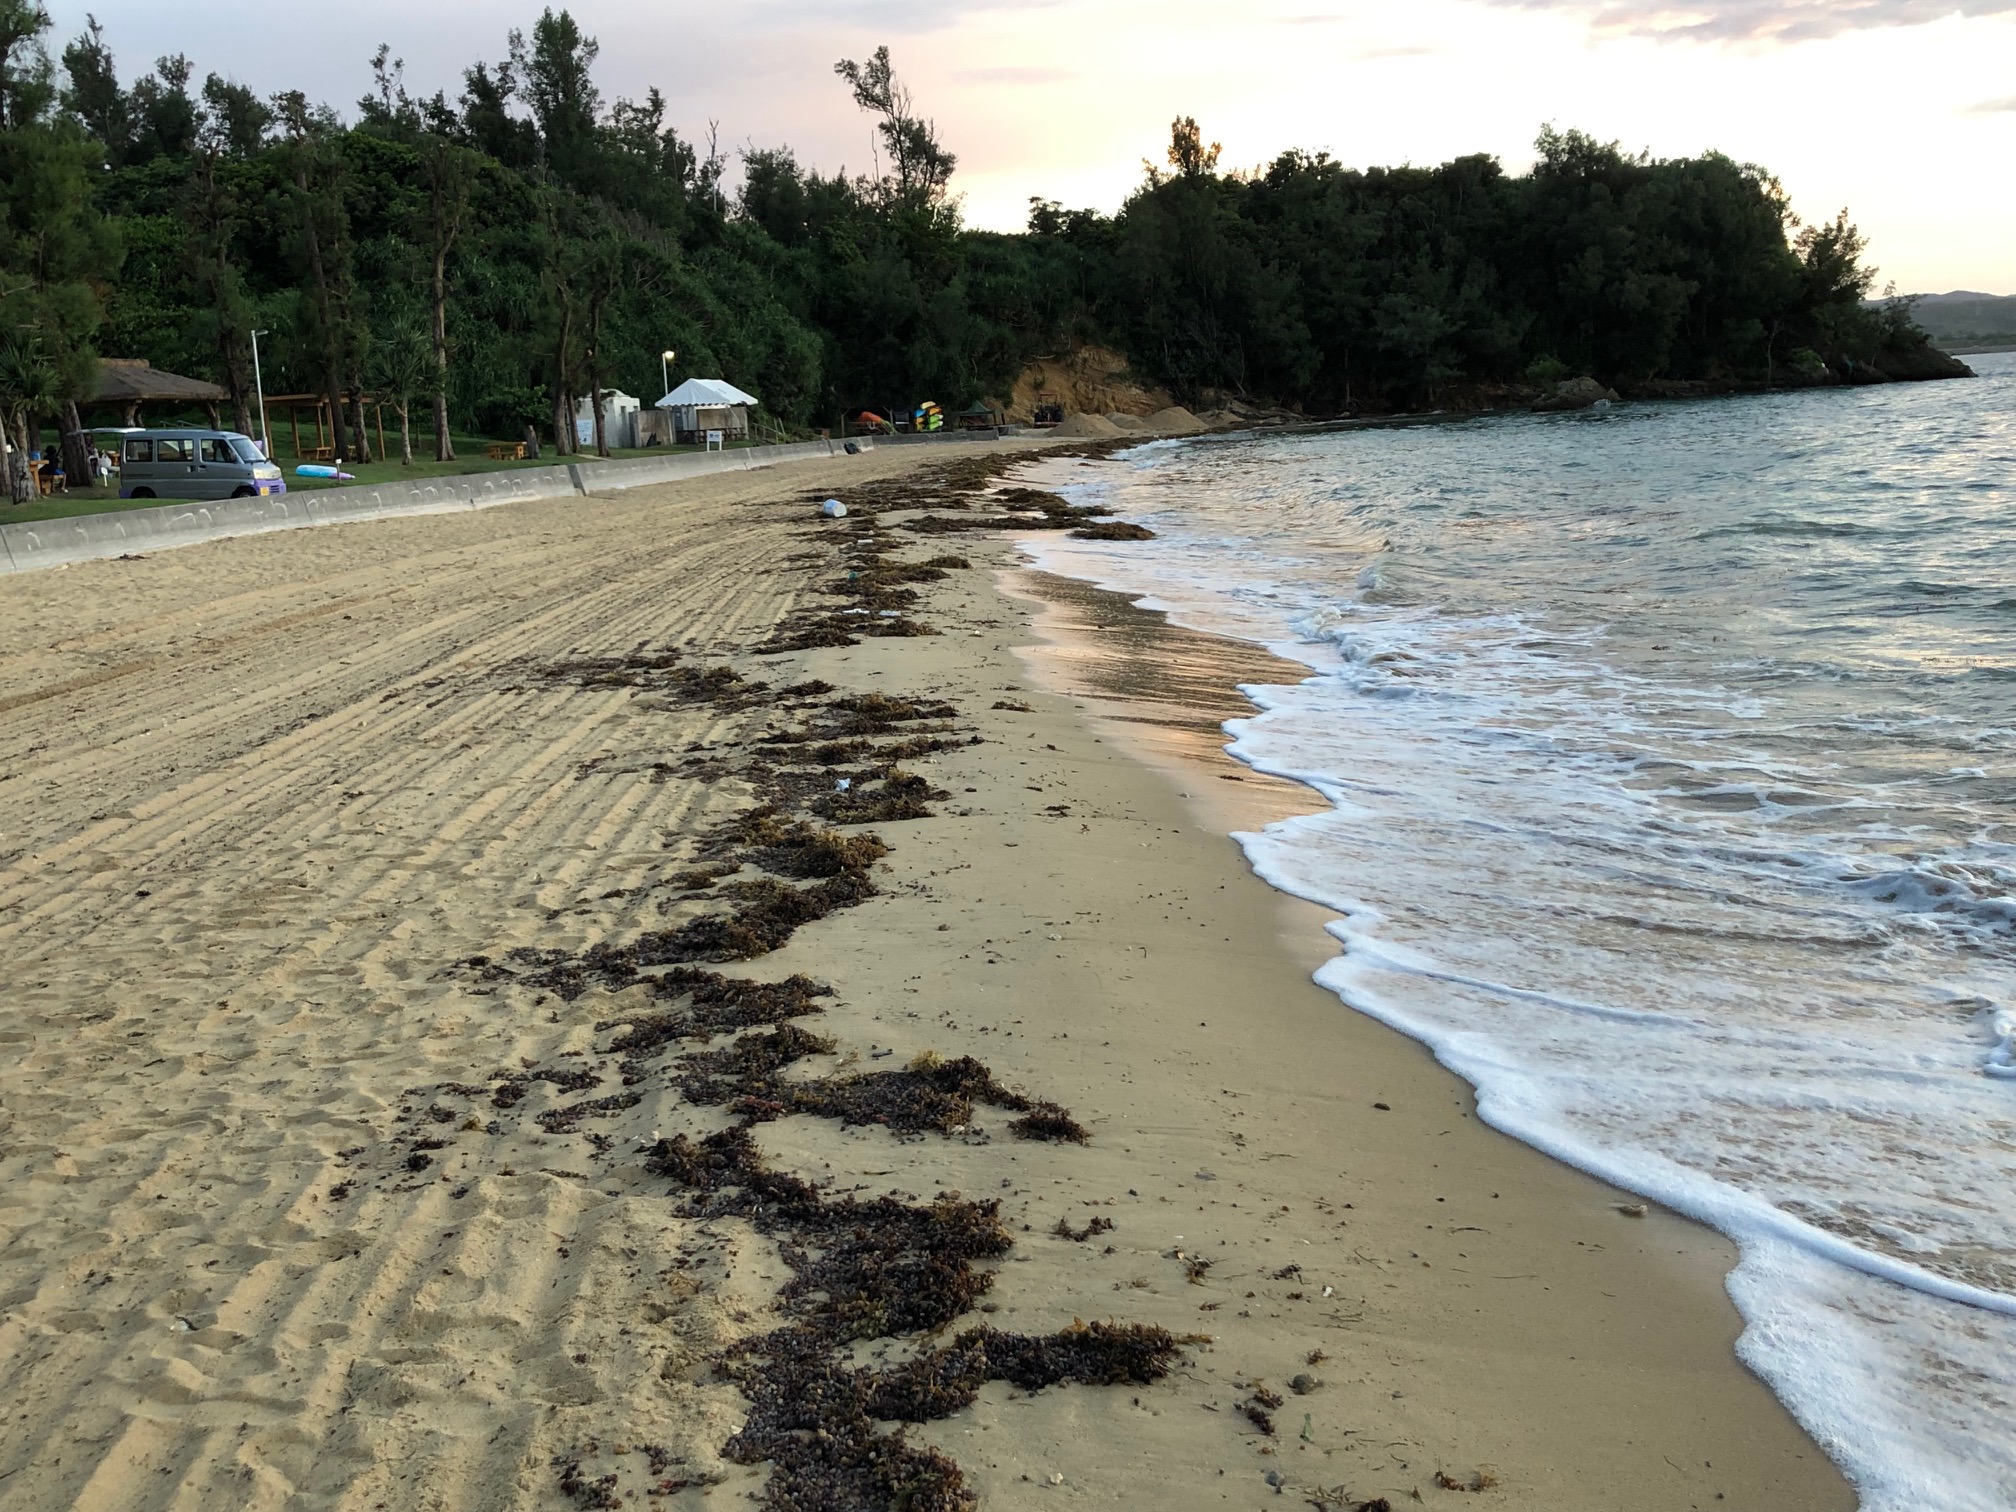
pixel 194 464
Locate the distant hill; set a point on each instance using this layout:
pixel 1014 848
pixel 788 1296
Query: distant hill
pixel 1963 317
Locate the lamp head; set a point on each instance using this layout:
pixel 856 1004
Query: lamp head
pixel 668 356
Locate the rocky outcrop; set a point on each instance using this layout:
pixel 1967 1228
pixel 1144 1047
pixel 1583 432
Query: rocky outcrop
pixel 1919 364
pixel 1574 394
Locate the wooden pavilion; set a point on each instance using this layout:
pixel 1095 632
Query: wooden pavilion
pixel 324 449
pixel 126 383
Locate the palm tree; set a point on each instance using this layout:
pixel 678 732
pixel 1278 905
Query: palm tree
pixel 405 363
pixel 29 387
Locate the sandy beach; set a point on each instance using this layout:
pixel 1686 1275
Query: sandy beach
pixel 362 1145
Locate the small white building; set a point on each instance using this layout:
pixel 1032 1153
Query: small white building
pixel 619 419
pixel 700 405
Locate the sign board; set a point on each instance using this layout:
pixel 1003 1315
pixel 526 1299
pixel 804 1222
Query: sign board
pixel 716 441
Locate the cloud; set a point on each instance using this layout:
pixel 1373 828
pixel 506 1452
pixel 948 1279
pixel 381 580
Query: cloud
pixel 1762 20
pixel 1014 75
pixel 1992 107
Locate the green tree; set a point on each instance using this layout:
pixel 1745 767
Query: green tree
pixel 223 317
pixel 56 250
pixel 93 95
pixel 403 368
pixel 554 70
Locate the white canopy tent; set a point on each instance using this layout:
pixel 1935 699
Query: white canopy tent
pixel 700 405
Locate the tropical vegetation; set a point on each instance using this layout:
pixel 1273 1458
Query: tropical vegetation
pixel 484 261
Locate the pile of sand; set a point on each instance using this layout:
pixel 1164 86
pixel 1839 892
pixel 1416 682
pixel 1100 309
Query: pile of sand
pixel 1132 425
pixel 1089 427
pixel 1176 421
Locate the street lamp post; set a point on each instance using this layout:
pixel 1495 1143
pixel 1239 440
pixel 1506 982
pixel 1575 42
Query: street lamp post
pixel 259 385
pixel 665 368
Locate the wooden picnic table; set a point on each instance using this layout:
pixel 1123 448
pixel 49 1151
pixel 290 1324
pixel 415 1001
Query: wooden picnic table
pixel 316 454
pixel 505 451
pixel 45 484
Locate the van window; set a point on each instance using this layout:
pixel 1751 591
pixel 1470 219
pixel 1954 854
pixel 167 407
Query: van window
pixel 180 449
pixel 247 450
pixel 217 449
pixel 139 451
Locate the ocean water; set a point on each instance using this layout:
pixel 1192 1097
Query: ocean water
pixel 1670 760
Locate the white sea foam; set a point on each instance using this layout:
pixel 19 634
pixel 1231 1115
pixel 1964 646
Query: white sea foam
pixel 1682 830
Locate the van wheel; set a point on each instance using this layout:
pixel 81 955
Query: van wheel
pixel 143 493
pixel 245 493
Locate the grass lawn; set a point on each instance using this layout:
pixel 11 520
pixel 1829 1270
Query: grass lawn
pixel 469 459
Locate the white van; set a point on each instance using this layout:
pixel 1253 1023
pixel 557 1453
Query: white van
pixel 194 464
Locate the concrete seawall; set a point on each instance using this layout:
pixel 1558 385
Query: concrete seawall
pixel 33 545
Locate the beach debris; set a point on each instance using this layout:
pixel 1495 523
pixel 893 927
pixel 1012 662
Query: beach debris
pixel 1275 1479
pixel 1308 1429
pixel 929 1095
pixel 1481 1480
pixel 1340 1500
pixel 833 509
pixel 1383 1107
pixel 1047 1121
pixel 1097 1226
pixel 1255 1410
pixel 901 796
pixel 659 675
pixel 1303 1384
pixel 1633 1209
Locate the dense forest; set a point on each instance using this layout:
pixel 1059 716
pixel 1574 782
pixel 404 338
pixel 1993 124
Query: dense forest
pixel 490 257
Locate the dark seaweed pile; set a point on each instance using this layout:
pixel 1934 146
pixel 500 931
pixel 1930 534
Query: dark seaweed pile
pixel 890 1267
pixel 868 1270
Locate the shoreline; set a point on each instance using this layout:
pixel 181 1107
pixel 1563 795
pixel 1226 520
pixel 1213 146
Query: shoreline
pixel 331 818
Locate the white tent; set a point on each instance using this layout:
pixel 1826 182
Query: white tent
pixel 700 405
pixel 711 393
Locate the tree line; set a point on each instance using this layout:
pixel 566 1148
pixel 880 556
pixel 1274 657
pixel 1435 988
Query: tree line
pixel 494 257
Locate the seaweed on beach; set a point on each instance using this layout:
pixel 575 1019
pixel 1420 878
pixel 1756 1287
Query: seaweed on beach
pixel 660 674
pixel 1114 530
pixel 862 715
pixel 1084 1235
pixel 813 632
pixel 867 1270
pixel 767 914
pixel 1047 1121
pixel 767 838
pixel 930 1095
pixel 715 1004
pixel 764 912
pixel 900 796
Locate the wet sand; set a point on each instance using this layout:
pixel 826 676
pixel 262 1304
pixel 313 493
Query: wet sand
pixel 263 802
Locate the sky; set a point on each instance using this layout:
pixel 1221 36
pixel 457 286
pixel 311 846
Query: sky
pixel 1902 110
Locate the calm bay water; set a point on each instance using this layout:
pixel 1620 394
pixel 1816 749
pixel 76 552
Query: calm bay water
pixel 1671 760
